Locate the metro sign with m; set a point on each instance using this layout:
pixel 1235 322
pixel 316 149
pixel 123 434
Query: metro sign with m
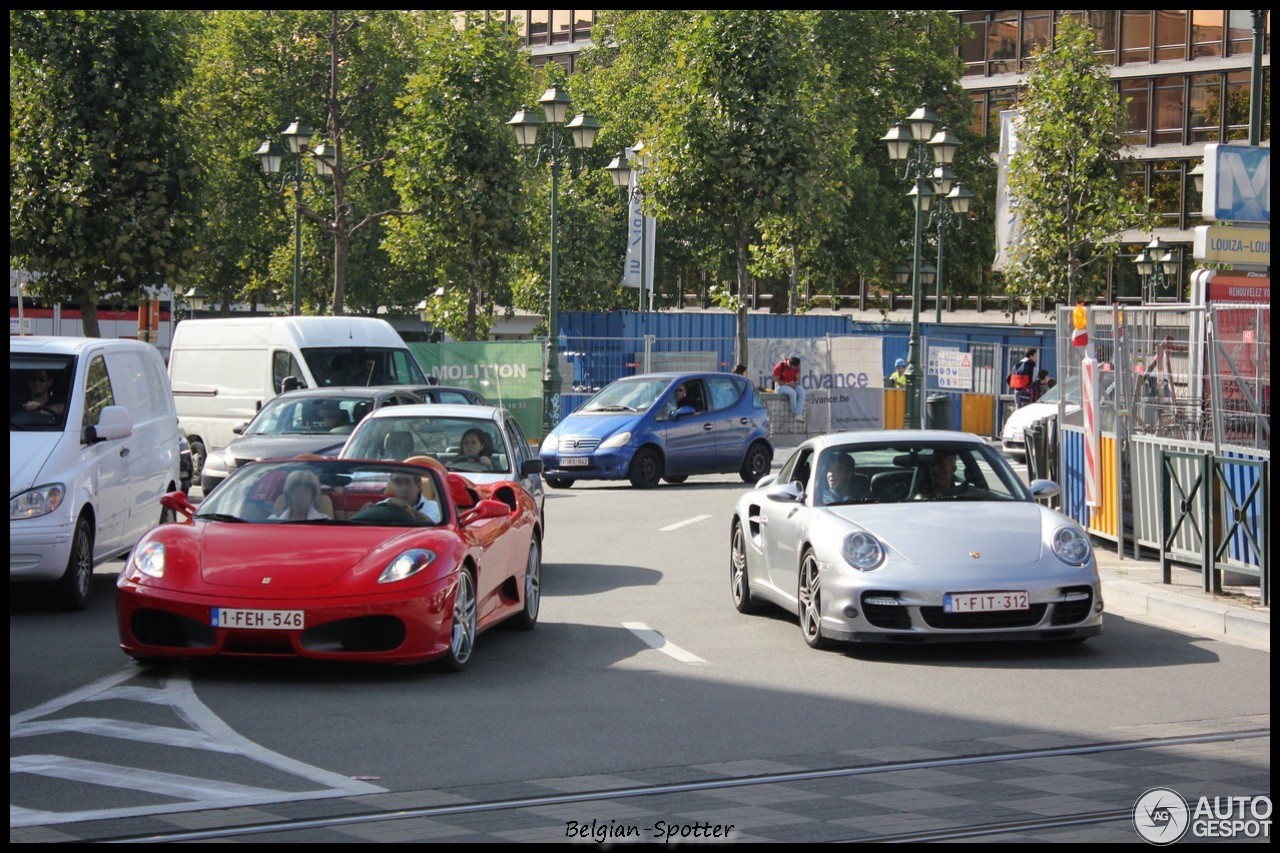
pixel 1237 184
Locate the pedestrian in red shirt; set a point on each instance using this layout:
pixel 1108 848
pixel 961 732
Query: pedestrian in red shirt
pixel 786 380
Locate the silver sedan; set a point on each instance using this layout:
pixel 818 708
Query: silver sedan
pixel 912 536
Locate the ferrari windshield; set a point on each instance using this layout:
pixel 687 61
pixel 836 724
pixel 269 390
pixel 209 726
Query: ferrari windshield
pixel 627 395
pixel 327 492
pixel 307 414
pixel 906 471
pixel 465 445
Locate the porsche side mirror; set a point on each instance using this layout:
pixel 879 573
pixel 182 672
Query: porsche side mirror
pixel 786 493
pixel 486 509
pixel 1043 490
pixel 766 480
pixel 178 502
pixel 529 467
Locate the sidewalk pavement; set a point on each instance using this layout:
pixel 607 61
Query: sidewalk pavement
pixel 1133 589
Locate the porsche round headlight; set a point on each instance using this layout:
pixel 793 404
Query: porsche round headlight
pixel 616 440
pixel 149 559
pixel 407 565
pixel 1071 546
pixel 863 551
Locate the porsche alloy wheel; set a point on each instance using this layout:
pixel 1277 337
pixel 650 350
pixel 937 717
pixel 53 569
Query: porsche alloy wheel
pixel 528 617
pixel 462 638
pixel 809 597
pixel 739 583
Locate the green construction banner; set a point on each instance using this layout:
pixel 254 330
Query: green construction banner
pixel 507 373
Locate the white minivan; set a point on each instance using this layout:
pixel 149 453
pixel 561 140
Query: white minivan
pixel 93 445
pixel 224 370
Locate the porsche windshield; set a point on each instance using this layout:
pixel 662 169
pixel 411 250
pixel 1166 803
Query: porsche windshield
pixel 899 472
pixel 627 395
pixel 327 492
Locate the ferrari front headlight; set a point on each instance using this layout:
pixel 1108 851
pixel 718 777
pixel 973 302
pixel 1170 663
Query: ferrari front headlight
pixel 616 440
pixel 407 565
pixel 1072 546
pixel 36 502
pixel 863 551
pixel 149 559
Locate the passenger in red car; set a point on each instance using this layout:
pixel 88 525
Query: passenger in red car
pixel 301 492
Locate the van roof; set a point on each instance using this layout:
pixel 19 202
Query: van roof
pixel 52 345
pixel 301 331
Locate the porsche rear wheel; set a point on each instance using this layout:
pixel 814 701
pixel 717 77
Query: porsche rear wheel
pixel 528 617
pixel 462 633
pixel 739 583
pixel 809 598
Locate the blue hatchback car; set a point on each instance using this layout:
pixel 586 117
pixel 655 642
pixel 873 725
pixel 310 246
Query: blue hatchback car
pixel 662 426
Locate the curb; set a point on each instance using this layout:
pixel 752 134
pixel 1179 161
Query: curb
pixel 1215 620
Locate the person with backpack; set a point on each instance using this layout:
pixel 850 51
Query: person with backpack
pixel 1022 379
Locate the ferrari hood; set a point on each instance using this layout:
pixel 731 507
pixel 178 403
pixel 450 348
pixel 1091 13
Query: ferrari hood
pixel 946 532
pixel 294 557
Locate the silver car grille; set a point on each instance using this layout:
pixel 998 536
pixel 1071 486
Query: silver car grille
pixel 578 443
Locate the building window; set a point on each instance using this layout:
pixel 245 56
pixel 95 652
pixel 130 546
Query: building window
pixel 539 22
pixel 1240 31
pixel 1170 110
pixel 977 120
pixel 1002 42
pixel 1171 34
pixel 1137 97
pixel 1135 36
pixel 1204 108
pixel 973 43
pixel 517 19
pixel 1035 33
pixel 583 20
pixel 1166 191
pixel 560 23
pixel 1237 105
pixel 1206 33
pixel 998 100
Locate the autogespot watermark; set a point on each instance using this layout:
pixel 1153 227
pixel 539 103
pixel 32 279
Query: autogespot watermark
pixel 1162 816
pixel 660 830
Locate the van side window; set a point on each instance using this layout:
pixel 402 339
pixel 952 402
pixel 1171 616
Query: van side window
pixel 284 364
pixel 97 391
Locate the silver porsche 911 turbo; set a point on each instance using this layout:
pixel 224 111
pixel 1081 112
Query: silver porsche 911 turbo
pixel 912 536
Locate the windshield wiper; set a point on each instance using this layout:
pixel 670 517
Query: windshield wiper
pixel 218 516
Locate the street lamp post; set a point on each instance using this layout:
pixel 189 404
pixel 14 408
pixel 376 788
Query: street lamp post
pixel 561 140
pixel 950 214
pixel 271 154
pixel 917 129
pixel 620 169
pixel 1156 264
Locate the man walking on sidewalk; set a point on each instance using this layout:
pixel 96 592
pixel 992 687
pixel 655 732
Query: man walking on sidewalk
pixel 786 379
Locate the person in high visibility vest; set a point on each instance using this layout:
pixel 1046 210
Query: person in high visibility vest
pixel 897 379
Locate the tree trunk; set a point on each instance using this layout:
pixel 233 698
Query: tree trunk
pixel 340 241
pixel 89 312
pixel 471 304
pixel 742 299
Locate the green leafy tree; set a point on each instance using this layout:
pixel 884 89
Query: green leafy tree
pixel 455 157
pixel 1064 177
pixel 100 175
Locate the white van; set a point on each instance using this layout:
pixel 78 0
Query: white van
pixel 224 370
pixel 93 445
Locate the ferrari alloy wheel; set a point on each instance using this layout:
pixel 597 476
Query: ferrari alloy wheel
pixel 528 617
pixel 756 463
pixel 462 637
pixel 739 583
pixel 809 597
pixel 646 468
pixel 71 591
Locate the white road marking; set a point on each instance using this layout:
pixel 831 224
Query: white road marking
pixel 132 778
pixel 654 640
pixel 680 524
pixel 208 732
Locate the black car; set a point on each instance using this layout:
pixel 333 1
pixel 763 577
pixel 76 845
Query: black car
pixel 313 420
pixel 450 394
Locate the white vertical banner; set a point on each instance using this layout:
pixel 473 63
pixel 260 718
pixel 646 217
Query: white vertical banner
pixel 1006 210
pixel 633 265
pixel 1092 437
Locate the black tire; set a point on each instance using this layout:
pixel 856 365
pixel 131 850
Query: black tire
pixel 198 455
pixel 527 618
pixel 646 468
pixel 756 463
pixel 739 583
pixel 558 482
pixel 71 591
pixel 809 601
pixel 674 480
pixel 462 645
